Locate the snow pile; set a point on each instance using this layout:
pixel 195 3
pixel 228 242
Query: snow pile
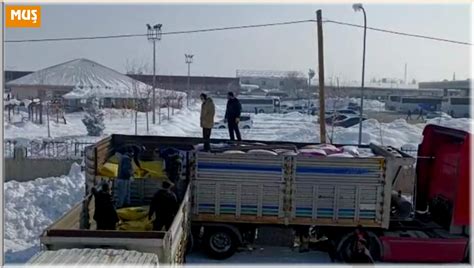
pixel 465 124
pixel 32 206
pixel 11 102
pixel 342 103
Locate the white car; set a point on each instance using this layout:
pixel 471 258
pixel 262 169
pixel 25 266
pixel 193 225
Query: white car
pixel 246 122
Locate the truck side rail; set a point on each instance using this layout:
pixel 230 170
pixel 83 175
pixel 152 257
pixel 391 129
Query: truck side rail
pixel 176 238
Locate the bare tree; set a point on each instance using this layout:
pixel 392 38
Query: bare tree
pixel 292 82
pixel 141 96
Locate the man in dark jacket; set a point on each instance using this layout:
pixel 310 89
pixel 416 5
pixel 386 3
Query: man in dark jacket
pixel 105 214
pixel 232 116
pixel 124 176
pixel 164 205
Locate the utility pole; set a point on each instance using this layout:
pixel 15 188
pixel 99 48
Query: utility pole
pixel 188 60
pixel 322 121
pixel 359 7
pixel 154 34
pixel 405 74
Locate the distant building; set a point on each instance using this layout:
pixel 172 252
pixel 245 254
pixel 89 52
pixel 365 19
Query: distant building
pixel 197 84
pixel 449 87
pixel 282 80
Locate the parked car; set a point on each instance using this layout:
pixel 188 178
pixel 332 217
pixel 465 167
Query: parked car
pixel 436 114
pixel 353 106
pixel 342 111
pixel 296 108
pixel 349 121
pixel 246 122
pixel 339 117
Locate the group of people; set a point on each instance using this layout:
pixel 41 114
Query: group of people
pixel 232 118
pixel 420 115
pixel 164 204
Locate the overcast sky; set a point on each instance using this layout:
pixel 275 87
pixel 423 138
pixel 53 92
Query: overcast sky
pixel 291 47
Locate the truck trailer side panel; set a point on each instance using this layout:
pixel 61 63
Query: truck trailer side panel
pixel 294 190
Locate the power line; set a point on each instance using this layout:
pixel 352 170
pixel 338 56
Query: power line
pixel 400 33
pixel 164 33
pixel 237 28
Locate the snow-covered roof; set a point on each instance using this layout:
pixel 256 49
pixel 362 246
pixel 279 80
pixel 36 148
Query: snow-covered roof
pixel 88 78
pixel 265 73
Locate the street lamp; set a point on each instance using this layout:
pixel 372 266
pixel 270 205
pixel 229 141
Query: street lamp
pixel 154 34
pixel 188 60
pixel 359 7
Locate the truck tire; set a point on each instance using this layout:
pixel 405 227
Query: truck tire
pixel 261 111
pixel 219 243
pixel 346 244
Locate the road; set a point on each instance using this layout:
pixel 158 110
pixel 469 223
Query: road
pixel 264 255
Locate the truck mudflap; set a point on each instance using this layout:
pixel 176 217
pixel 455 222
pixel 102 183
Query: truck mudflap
pixel 424 250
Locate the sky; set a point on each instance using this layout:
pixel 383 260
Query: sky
pixel 289 47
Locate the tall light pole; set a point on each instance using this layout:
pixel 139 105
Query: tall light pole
pixel 359 7
pixel 188 60
pixel 154 34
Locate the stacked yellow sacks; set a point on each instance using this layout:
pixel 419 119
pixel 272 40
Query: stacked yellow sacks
pixel 134 219
pixel 148 170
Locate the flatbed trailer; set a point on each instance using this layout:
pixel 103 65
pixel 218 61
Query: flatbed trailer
pixel 229 195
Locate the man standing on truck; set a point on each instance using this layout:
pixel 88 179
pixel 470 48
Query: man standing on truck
pixel 232 116
pixel 105 214
pixel 207 119
pixel 164 205
pixel 125 172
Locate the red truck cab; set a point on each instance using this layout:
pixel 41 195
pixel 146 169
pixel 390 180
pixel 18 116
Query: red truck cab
pixel 441 228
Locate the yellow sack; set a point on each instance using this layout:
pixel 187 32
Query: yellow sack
pixel 132 213
pixel 141 225
pixel 149 170
pixel 156 168
pixel 113 159
pixel 109 170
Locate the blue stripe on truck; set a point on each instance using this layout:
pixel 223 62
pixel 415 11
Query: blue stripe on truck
pixel 333 170
pixel 239 167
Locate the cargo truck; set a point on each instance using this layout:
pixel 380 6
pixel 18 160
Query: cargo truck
pixel 229 196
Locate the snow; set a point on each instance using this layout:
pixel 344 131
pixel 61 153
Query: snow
pixel 11 102
pixel 32 206
pixel 285 127
pixel 28 208
pixel 87 79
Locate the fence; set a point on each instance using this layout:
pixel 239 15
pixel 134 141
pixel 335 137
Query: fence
pixel 48 149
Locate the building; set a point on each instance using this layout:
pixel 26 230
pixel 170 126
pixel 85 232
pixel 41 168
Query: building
pixel 197 84
pixel 281 80
pixel 77 80
pixel 448 86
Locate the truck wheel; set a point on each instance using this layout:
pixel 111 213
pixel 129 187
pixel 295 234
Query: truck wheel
pixel 347 243
pixel 261 111
pixel 220 243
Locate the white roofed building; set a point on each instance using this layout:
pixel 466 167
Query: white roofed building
pixel 77 80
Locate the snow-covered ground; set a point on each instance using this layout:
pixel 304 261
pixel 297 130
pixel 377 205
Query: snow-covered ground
pixel 31 206
pixel 28 208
